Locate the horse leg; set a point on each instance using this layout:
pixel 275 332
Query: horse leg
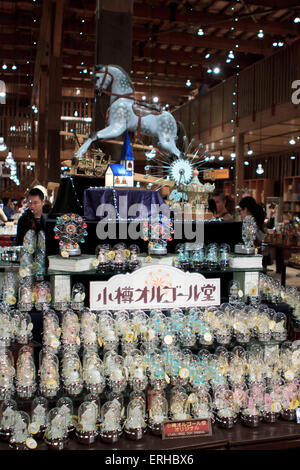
pixel 106 133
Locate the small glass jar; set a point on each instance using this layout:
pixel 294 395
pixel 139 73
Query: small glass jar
pixel 102 259
pixel 7 372
pixel 135 424
pixel 65 405
pixel 7 417
pixel 279 330
pixel 49 381
pixel 111 416
pixel 158 413
pixel 20 434
pixel 6 329
pixel 70 331
pixel 25 373
pixel 78 296
pixel 72 373
pixel 25 327
pixel 38 417
pixel 42 295
pixel 87 426
pixel 56 435
pixel 93 374
pixel 133 262
pixel 51 331
pixel 89 329
pixel 26 295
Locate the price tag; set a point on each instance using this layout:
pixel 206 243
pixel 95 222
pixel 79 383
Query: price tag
pixel 34 427
pixel 186 428
pixel 31 443
pixel 168 339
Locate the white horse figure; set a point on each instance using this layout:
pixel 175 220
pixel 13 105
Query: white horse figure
pixel 125 113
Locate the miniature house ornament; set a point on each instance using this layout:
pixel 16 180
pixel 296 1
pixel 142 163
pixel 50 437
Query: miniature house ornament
pixel 122 174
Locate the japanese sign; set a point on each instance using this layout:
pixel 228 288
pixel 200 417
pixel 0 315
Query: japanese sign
pixel 186 428
pixel 216 174
pixel 154 287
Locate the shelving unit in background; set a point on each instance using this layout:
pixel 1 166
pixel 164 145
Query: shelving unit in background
pixel 291 193
pixel 261 188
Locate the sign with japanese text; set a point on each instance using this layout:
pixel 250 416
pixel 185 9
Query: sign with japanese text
pixel 216 174
pixel 186 428
pixel 154 287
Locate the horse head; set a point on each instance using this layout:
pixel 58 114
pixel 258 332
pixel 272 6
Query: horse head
pixel 103 78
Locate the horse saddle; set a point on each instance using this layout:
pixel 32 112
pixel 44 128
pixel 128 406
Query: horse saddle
pixel 143 109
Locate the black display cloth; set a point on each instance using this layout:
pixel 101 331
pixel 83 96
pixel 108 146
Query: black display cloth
pixel 122 200
pixel 70 194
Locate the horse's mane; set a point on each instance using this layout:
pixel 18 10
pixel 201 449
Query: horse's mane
pixel 123 71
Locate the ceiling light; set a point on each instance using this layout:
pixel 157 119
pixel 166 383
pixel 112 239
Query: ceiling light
pixel 144 97
pixel 249 151
pixel 297 19
pixel 292 141
pixel 4 66
pixel 260 34
pixel 200 32
pixel 77 92
pixel 188 82
pixel 259 169
pixel 155 99
pixel 231 55
pixel 280 44
pixel 216 70
pixel 228 61
pixel 232 155
pixel 14 67
pixel 3 146
pixel 292 157
pixel 212 157
pixel 275 44
pixel 209 70
pixel 207 56
pixel 246 163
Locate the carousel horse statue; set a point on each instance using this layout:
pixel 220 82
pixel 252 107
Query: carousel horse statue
pixel 127 114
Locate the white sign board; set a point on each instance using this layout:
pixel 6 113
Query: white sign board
pixel 155 286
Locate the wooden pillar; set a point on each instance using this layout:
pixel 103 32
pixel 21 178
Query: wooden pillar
pixel 41 138
pixel 239 162
pixel 55 96
pixel 113 46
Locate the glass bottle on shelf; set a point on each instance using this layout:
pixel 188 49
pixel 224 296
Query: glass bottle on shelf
pixel 49 381
pixel 56 435
pixel 19 439
pixel 135 423
pixel 8 408
pixel 78 296
pixel 7 372
pixel 86 428
pixel 65 406
pixel 38 417
pixel 25 373
pixel 110 427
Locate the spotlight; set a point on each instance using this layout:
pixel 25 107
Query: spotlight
pixel 292 141
pixel 216 70
pixel 260 34
pixel 249 151
pixel 259 169
pixel 246 163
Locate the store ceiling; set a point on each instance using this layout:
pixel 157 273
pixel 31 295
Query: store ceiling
pixel 167 50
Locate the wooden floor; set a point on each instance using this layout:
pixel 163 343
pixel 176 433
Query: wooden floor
pixel 292 276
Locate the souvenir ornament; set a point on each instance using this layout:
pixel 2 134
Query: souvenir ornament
pixel 86 428
pixel 110 427
pixel 56 434
pixel 20 434
pixel 70 230
pixel 249 229
pixel 7 412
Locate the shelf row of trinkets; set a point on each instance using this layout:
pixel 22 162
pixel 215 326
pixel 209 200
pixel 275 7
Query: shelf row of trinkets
pixel 253 401
pixel 204 327
pixel 210 257
pixel 116 259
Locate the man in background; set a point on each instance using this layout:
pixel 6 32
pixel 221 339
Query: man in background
pixel 33 217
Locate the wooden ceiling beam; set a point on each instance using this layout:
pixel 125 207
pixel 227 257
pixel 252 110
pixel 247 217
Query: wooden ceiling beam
pixel 257 46
pixel 146 12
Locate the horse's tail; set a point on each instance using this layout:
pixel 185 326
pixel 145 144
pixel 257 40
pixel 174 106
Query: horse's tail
pixel 181 136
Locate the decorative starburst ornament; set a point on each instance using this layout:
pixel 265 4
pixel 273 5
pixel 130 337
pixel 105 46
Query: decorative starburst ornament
pixel 178 169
